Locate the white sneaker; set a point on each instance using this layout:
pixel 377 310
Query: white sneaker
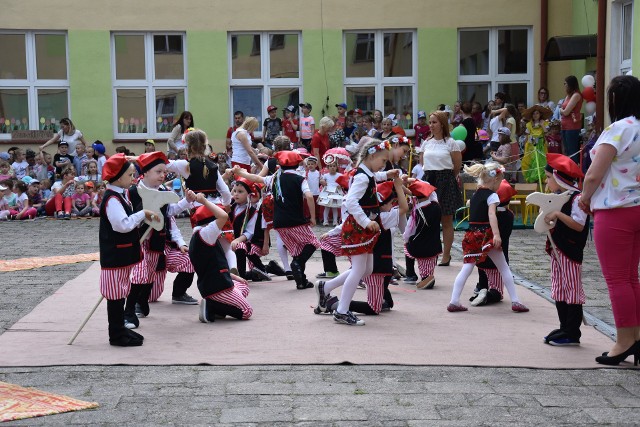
pixel 203 311
pixel 325 223
pixel 480 299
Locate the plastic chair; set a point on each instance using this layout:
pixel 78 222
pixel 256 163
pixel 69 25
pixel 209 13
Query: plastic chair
pixel 524 189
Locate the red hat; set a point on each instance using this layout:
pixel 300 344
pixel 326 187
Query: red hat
pixel 115 167
pixel 343 179
pixel 248 185
pixel 506 191
pixel 148 161
pixel 421 189
pixel 202 216
pixel 565 170
pixel 357 111
pixel 288 158
pixel 270 108
pixel 385 191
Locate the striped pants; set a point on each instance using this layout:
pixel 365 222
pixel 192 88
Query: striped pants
pixel 566 280
pixel 332 244
pixel 495 279
pixel 426 266
pixel 296 238
pixel 375 291
pixel 115 283
pixel 145 271
pixel 235 297
pixel 253 250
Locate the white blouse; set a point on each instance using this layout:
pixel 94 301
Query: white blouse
pixel 437 154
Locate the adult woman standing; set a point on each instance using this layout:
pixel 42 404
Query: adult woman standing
pixel 243 154
pixel 67 133
pixel 543 99
pixel 612 192
pixel 320 139
pixel 442 163
pixel 571 118
pixel 180 126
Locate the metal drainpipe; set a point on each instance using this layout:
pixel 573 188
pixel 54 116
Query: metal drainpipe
pixel 544 30
pixel 600 84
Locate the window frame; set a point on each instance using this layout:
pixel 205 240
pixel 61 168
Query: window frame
pixel 149 83
pixel 32 84
pixel 379 81
pixel 493 79
pixel 265 81
pixel 625 64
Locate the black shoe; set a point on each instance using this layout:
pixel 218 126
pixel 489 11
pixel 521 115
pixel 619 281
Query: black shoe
pixel 296 270
pixel 551 335
pixel 615 360
pixel 261 275
pixel 445 264
pixel 275 269
pixel 135 335
pixel 289 275
pixel 348 319
pixel 125 340
pixel 305 284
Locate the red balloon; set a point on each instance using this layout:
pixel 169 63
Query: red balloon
pixel 589 94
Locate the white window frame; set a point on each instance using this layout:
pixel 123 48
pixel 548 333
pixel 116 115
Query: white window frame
pixel 378 81
pixel 493 79
pixel 32 84
pixel 150 84
pixel 619 65
pixel 265 81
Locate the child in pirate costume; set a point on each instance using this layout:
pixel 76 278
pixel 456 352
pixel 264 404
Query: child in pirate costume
pixel 569 234
pixel 289 189
pixel 360 230
pixel 163 250
pixel 490 288
pixel 483 238
pixel 377 283
pixel 422 233
pixel 119 246
pixel 223 293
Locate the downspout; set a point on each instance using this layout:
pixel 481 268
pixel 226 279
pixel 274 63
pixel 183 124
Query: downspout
pixel 544 31
pixel 600 83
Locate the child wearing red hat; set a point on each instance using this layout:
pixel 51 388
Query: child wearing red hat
pixel 223 293
pixel 119 246
pixel 360 230
pixel 289 189
pixel 490 287
pixel 163 250
pixel 483 239
pixel 422 233
pixel 569 234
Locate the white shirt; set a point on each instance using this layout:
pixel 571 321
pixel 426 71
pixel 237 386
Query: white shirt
pixel 417 171
pixel 313 179
pixel 20 169
pixel 209 233
pixel 240 154
pixel 437 154
pixel 356 190
pixel 174 209
pixel 101 161
pixel 304 187
pixel 181 167
pixel 620 186
pixel 71 139
pixel 330 179
pixel 120 222
pixel 494 125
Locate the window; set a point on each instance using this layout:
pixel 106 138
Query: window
pixel 380 72
pixel 149 83
pixel 626 37
pixel 34 83
pixel 261 76
pixel 495 60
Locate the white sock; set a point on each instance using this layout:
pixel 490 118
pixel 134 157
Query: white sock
pixel 458 284
pixel 282 251
pixel 499 260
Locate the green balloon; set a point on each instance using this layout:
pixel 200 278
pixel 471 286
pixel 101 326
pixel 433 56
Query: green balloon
pixel 459 133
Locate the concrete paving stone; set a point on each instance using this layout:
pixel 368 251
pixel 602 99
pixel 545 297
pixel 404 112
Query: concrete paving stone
pixel 584 401
pixel 613 376
pixel 538 376
pixel 260 388
pixel 399 413
pixel 612 416
pixel 213 375
pixel 490 400
pixel 479 414
pixel 330 413
pixel 551 416
pixel 624 402
pixel 241 415
pixel 324 388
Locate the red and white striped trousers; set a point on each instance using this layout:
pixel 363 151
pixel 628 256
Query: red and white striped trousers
pixel 254 250
pixel 296 238
pixel 426 266
pixel 566 280
pixel 375 291
pixel 495 279
pixel 115 283
pixel 236 297
pixel 332 244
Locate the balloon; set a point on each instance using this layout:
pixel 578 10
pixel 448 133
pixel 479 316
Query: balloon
pixel 461 145
pixel 588 81
pixel 589 94
pixel 590 108
pixel 459 133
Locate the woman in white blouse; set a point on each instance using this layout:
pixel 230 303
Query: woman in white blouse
pixel 67 133
pixel 442 161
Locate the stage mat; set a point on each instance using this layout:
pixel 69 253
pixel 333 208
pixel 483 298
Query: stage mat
pixel 284 330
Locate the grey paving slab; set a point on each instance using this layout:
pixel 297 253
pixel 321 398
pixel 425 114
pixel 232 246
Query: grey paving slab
pixel 314 395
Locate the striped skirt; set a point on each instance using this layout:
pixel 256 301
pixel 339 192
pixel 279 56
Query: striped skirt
pixel 332 243
pixel 495 279
pixel 115 283
pixel 235 297
pixel 375 291
pixel 296 238
pixel 566 280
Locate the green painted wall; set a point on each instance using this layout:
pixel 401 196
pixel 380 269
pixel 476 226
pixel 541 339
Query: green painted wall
pixel 208 83
pixel 315 90
pixel 90 82
pixel 584 21
pixel 437 67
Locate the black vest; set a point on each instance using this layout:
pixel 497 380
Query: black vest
pixel 426 243
pixel 210 265
pixel 258 231
pixel 369 200
pixel 569 242
pixel 478 208
pixel 157 239
pixel 238 221
pixel 288 212
pixel 197 182
pixel 117 249
pixel 382 258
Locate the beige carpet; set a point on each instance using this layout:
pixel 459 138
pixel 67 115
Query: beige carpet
pixel 284 330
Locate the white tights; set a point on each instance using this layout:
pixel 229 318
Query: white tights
pixel 228 253
pixel 361 266
pixel 497 257
pixel 282 251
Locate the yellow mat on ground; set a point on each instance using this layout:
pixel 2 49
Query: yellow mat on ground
pixel 37 262
pixel 17 403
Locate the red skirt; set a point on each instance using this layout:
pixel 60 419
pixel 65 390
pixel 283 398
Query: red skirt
pixel 357 240
pixel 227 232
pixel 267 210
pixel 476 245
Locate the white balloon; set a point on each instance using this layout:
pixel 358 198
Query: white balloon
pixel 590 108
pixel 588 81
pixel 461 144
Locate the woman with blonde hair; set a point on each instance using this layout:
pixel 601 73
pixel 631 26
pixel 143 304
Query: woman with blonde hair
pixel 243 154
